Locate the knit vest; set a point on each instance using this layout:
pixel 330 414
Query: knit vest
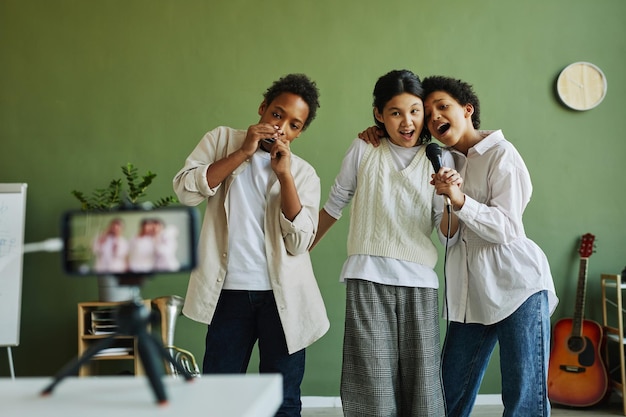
pixel 391 213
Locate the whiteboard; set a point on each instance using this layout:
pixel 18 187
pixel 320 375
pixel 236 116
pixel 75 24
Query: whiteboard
pixel 12 215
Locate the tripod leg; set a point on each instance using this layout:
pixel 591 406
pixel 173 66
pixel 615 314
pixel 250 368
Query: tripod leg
pixel 74 365
pixel 150 358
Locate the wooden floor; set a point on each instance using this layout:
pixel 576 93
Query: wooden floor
pixel 611 409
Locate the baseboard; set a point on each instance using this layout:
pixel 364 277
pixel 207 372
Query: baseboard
pixel 321 402
pixel 332 402
pixel 488 399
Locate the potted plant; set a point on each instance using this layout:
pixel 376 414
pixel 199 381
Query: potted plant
pixel 114 197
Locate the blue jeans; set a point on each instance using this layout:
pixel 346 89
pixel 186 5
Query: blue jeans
pixel 241 318
pixel 524 339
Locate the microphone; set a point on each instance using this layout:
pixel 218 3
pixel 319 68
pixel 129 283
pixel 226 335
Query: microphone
pixel 433 153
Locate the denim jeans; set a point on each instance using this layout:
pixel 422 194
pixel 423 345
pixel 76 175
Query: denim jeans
pixel 241 318
pixel 524 339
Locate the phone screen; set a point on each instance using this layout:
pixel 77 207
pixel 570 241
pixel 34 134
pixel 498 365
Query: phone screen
pixel 130 242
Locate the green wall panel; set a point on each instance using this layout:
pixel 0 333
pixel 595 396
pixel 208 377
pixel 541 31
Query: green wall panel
pixel 87 86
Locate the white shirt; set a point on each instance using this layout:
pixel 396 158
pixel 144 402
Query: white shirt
pixel 492 267
pixel 382 270
pixel 111 253
pixel 141 254
pixel 166 245
pixel 247 263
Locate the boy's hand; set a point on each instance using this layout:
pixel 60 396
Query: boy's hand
pixel 448 182
pixel 372 135
pixel 281 157
pixel 257 133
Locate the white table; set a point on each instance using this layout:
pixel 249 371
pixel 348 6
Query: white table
pixel 250 395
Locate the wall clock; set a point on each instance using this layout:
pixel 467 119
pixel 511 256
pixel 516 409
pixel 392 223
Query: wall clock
pixel 581 86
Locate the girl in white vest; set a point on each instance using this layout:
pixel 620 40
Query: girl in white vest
pixel 391 351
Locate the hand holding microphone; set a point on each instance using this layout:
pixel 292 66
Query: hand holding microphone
pixel 433 152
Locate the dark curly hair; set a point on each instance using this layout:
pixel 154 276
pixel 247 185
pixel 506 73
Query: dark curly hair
pixel 300 85
pixel 459 90
pixel 392 84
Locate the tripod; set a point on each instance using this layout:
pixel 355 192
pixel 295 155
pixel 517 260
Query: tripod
pixel 132 319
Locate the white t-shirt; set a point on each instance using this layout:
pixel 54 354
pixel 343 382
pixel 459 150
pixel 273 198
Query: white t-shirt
pixel 247 262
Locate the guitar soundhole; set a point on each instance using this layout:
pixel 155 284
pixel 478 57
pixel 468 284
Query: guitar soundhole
pixel 576 344
pixel 584 347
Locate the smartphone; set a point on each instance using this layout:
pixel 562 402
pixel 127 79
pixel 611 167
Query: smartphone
pixel 130 242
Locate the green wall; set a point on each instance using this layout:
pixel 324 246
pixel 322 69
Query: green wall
pixel 87 86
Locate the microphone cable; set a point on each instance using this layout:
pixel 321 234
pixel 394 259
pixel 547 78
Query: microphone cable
pixel 445 303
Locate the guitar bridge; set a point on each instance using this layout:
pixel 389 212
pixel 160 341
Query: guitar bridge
pixel 572 369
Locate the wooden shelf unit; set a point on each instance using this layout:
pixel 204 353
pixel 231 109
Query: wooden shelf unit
pixel 613 325
pixel 86 339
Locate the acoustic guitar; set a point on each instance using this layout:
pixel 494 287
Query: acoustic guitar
pixel 576 374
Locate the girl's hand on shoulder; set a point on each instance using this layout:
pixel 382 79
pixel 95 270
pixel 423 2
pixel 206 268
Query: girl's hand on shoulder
pixel 372 135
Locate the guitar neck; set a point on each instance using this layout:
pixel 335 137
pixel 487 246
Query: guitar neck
pixel 577 321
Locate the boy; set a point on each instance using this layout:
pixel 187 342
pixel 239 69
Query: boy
pixel 501 289
pixel 254 280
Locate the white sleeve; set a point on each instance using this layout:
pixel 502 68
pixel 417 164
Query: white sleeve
pixel 345 184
